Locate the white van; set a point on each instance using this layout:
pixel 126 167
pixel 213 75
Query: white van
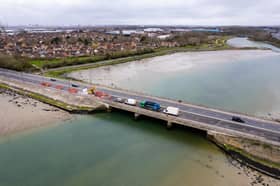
pixel 172 111
pixel 130 102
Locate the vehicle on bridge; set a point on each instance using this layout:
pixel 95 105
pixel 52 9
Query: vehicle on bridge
pixel 150 105
pixel 74 85
pixel 118 99
pixel 91 90
pixel 237 119
pixel 100 94
pixel 130 101
pixel 84 91
pixel 171 111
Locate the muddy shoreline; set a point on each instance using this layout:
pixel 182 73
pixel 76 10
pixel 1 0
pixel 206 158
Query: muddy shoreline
pixel 20 113
pixel 245 161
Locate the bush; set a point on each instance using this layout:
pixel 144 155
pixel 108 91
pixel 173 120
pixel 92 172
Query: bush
pixel 107 56
pixel 190 38
pixel 14 63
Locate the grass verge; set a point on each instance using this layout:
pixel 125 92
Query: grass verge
pixel 231 149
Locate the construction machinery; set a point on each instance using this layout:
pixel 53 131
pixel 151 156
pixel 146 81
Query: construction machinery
pixel 91 90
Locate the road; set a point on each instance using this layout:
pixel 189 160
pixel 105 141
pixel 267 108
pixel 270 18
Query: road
pixel 266 129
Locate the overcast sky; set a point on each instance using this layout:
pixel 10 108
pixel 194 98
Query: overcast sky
pixel 146 12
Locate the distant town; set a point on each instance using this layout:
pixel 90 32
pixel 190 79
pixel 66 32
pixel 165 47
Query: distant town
pixel 51 42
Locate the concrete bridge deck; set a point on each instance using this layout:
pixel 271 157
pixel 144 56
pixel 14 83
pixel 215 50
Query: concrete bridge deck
pixel 199 117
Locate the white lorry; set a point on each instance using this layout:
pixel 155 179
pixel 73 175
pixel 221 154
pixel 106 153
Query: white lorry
pixel 130 102
pixel 171 111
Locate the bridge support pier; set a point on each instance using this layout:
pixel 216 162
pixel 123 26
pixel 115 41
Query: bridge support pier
pixel 136 116
pixel 169 125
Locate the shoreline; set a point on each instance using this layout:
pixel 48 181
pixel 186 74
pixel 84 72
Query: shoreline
pixel 30 113
pixel 247 153
pixel 114 73
pixel 60 71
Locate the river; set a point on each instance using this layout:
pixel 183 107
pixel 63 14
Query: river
pixel 113 150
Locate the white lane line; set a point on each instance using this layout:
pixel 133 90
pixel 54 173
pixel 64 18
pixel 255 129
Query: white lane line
pixel 198 114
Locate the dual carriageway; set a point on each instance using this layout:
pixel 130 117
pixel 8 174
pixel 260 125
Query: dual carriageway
pixel 195 116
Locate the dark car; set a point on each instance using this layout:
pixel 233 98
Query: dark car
pixel 237 119
pixel 73 85
pixel 53 79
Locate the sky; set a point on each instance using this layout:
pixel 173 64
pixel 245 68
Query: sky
pixel 140 12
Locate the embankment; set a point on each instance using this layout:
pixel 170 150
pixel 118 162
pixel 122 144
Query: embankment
pixel 255 154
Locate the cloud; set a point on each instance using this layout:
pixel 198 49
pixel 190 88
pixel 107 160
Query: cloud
pixel 162 12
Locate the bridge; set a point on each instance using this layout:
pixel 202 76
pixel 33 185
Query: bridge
pixel 199 117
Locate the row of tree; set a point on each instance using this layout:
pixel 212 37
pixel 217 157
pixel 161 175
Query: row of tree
pixel 93 59
pixel 15 63
pixel 190 38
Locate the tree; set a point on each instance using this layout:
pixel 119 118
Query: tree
pixel 87 41
pixel 56 40
pixel 144 39
pixel 15 63
pixel 193 41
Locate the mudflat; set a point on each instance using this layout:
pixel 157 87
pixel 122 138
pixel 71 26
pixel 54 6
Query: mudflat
pixel 18 113
pixel 161 65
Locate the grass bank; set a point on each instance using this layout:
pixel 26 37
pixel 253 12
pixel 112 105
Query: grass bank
pixel 267 167
pixel 259 155
pixel 246 155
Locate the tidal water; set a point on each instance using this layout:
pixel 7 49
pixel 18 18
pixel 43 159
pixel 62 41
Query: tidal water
pixel 111 149
pixel 244 42
pixel 245 81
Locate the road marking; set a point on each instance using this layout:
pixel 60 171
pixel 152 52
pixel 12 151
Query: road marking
pixel 29 76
